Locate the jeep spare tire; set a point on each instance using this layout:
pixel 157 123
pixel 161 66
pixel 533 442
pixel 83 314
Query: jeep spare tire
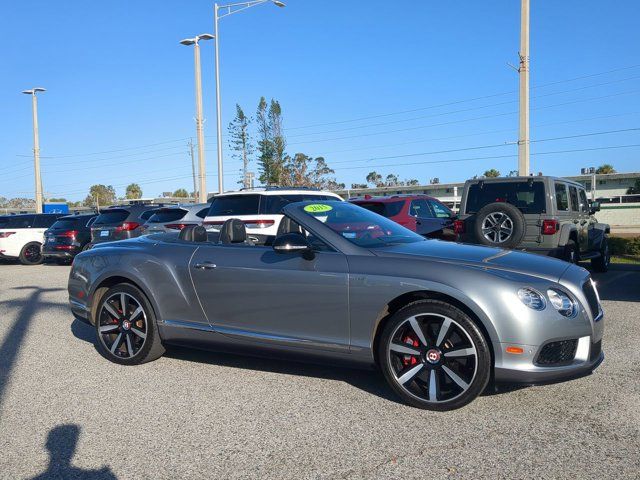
pixel 499 224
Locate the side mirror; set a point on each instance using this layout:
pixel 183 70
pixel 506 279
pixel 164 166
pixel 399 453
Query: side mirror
pixel 594 207
pixel 293 243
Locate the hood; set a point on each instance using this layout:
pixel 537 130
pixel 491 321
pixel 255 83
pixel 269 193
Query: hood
pixel 479 256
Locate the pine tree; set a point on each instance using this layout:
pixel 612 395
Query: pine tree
pixel 240 141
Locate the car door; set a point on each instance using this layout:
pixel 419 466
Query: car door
pixel 445 217
pixel 579 219
pixel 587 218
pixel 256 294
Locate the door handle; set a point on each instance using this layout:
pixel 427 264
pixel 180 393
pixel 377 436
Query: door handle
pixel 205 266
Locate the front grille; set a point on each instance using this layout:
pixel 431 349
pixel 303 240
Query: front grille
pixel 596 349
pixel 557 353
pixel 592 297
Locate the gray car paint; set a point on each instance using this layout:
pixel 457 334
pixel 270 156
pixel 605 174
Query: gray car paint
pixel 332 306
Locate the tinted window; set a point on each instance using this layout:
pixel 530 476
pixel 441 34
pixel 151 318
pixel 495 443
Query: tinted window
pixel 111 216
pixel 386 209
pixel 358 225
pixel 584 204
pixel 167 215
pixel 420 208
pixel 527 196
pixel 562 199
pixel 44 221
pixel 68 223
pixel 147 215
pixel 3 221
pixel 202 213
pixel 573 194
pixel 235 205
pixel 273 204
pixel 439 210
pixel 19 221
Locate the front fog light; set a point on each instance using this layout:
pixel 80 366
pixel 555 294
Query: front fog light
pixel 531 298
pixel 562 302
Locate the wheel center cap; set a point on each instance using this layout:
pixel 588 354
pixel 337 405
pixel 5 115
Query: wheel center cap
pixel 126 324
pixel 433 356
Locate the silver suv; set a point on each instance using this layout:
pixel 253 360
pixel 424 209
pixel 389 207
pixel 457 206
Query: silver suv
pixel 546 215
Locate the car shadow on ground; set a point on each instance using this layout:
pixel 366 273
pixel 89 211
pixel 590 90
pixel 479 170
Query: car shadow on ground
pixel 619 284
pixel 370 381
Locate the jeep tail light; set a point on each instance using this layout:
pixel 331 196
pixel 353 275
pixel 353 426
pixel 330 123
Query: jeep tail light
pixel 127 227
pixel 6 234
pixel 458 227
pixel 176 226
pixel 550 227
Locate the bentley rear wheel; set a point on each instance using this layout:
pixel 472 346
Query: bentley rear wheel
pixel 434 356
pixel 126 326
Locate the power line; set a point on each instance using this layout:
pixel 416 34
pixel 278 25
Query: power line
pixel 461 101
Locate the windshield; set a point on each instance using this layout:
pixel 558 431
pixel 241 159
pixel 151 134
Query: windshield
pixel 165 215
pixel 386 209
pixel 358 225
pixel 111 216
pixel 527 196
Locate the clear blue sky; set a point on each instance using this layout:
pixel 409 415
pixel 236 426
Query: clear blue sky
pixel 117 79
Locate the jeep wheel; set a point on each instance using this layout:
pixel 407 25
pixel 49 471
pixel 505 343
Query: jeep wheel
pixel 499 224
pixel 601 263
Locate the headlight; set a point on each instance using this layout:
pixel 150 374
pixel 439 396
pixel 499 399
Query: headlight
pixel 562 302
pixel 531 298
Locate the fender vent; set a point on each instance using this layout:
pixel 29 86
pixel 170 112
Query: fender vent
pixel 592 298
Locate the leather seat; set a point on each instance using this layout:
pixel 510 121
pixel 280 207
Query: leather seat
pixel 288 226
pixel 233 231
pixel 193 233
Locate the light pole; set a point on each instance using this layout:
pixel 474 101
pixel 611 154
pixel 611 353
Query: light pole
pixel 202 194
pixel 36 145
pixel 523 137
pixel 227 10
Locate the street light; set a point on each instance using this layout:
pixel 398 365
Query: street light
pixel 227 10
pixel 36 144
pixel 202 194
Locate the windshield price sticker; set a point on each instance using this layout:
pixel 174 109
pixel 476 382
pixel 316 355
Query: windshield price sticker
pixel 317 208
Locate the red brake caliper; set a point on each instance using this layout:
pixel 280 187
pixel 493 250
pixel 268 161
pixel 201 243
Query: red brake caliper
pixel 413 341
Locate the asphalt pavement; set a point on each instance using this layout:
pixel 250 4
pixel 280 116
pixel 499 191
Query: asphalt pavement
pixel 65 412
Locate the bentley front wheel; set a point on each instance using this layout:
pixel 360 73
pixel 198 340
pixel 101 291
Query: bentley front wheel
pixel 434 356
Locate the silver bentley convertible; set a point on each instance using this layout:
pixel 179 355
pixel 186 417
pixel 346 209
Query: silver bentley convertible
pixel 338 282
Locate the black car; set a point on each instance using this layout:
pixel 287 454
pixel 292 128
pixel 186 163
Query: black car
pixel 67 237
pixel 121 222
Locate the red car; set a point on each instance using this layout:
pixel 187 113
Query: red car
pixel 422 214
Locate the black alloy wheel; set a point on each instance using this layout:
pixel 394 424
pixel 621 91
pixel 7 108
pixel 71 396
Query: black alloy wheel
pixel 126 327
pixel 434 356
pixel 31 254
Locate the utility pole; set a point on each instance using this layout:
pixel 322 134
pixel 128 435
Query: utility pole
pixel 36 145
pixel 193 170
pixel 523 70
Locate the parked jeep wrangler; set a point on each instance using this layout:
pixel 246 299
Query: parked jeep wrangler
pixel 545 215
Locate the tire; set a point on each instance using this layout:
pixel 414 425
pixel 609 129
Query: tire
pixel 499 224
pixel 130 339
pixel 429 378
pixel 601 263
pixel 28 255
pixel 571 253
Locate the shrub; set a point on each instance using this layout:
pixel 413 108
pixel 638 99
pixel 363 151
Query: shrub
pixel 625 246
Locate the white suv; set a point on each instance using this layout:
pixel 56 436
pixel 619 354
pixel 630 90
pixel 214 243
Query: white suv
pixel 21 236
pixel 259 208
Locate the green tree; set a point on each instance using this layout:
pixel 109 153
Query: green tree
pixel 493 173
pixel 359 185
pixel 133 191
pixel 240 141
pixel 57 200
pixel 101 194
pixel 375 179
pixel 304 171
pixel 181 193
pixel 265 144
pixel 605 168
pixel 411 182
pixel 392 180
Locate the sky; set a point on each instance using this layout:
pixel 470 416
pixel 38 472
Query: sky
pixel 421 89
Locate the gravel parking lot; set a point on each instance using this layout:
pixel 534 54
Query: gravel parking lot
pixel 65 412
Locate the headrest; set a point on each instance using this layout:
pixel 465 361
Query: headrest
pixel 233 231
pixel 288 226
pixel 193 233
